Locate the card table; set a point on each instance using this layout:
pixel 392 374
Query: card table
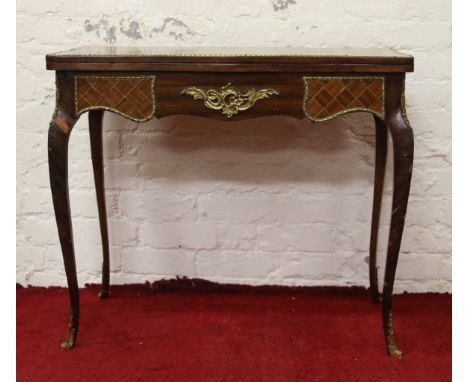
pixel 231 84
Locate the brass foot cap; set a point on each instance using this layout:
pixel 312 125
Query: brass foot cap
pixel 103 295
pixel 68 344
pixel 395 352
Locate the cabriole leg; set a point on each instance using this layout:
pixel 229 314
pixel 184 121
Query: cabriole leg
pixel 380 161
pixel 403 146
pixel 59 133
pixel 95 134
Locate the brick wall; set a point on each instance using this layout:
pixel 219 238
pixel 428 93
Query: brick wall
pixel 274 200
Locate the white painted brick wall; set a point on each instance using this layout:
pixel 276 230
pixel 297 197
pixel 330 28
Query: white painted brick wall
pixel 274 200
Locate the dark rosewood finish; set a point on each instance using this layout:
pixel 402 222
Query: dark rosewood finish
pixel 231 84
pixel 95 137
pixel 380 162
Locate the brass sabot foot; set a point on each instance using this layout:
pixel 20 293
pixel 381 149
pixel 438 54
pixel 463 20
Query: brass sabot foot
pixel 103 294
pixel 390 340
pixel 70 342
pixel 394 351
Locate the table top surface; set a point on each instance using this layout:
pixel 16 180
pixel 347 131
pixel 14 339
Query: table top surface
pixel 226 54
pixel 228 51
pixel 131 58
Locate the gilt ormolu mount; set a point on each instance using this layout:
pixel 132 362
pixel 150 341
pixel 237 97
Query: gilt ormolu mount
pixel 230 84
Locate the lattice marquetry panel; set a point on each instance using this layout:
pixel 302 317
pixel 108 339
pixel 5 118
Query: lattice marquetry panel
pixel 132 97
pixel 327 97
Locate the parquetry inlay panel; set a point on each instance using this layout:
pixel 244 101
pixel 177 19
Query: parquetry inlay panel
pixel 327 97
pixel 132 97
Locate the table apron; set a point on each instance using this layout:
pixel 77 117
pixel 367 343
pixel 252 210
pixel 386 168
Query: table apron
pixel 228 96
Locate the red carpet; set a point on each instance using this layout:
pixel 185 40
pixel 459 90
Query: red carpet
pixel 241 335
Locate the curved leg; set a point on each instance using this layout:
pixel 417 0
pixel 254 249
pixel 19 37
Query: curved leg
pixel 95 134
pixel 403 145
pixel 380 161
pixel 59 133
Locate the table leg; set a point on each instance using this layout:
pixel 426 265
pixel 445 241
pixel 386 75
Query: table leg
pixel 95 134
pixel 380 162
pixel 403 146
pixel 59 133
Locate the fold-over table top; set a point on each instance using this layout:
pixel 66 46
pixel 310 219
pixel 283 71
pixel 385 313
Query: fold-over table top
pixel 112 58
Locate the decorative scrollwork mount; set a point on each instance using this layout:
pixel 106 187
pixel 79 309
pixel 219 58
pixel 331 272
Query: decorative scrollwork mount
pixel 228 99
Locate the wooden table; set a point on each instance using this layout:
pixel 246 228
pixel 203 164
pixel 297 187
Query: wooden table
pixel 231 84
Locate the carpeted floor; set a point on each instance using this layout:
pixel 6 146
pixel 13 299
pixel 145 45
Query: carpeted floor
pixel 242 335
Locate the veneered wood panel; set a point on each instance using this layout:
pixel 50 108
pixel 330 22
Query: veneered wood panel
pixel 133 97
pixel 326 97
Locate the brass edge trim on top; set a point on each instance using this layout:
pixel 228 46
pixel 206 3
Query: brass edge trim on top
pixel 108 108
pixel 63 54
pixel 346 111
pixel 225 55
